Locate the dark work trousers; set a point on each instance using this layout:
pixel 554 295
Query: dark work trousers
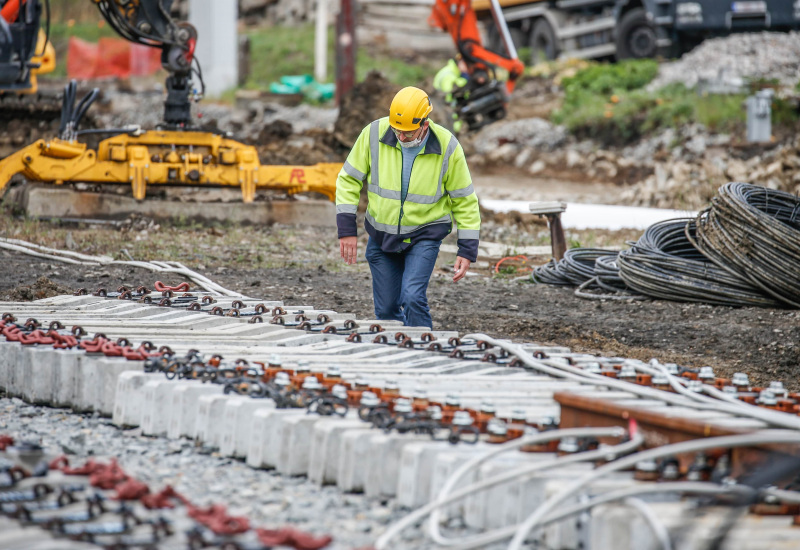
pixel 400 281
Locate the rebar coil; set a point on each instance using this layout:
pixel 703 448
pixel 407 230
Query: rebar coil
pixel 753 233
pixel 664 263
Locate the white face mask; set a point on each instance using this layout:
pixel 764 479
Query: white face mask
pixel 412 143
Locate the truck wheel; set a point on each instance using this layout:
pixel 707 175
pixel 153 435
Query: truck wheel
pixel 495 44
pixel 636 36
pixel 544 44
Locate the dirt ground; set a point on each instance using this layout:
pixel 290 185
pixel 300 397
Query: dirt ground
pixel 300 266
pixel 761 342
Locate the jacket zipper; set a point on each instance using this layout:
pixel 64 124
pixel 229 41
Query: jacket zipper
pixel 402 201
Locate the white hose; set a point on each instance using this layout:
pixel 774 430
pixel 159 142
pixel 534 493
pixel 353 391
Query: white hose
pixel 599 454
pixel 684 398
pixel 76 258
pixel 627 495
pixel 724 442
pixel 659 529
pixel 723 402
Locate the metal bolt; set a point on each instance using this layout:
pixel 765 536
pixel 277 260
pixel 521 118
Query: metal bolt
pixel 497 427
pixel 369 399
pixel 334 371
pixel 646 466
pixel 594 368
pixel 730 390
pixel 766 397
pixel 462 418
pixel 303 366
pixel 706 373
pixel 452 400
pixel 402 405
pixel 275 359
pixel 339 392
pixel 419 393
pixel 282 379
pixel 487 406
pixel 660 380
pixel 391 385
pixel 740 379
pixel 568 445
pixel 777 388
pixel 311 383
pixel 672 369
pixel 435 412
pixel 695 386
pixel 627 371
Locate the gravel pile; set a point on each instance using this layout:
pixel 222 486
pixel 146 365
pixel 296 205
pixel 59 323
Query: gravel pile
pixel 266 498
pixel 536 133
pixel 147 110
pixel 735 59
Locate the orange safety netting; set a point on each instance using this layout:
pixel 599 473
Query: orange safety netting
pixel 110 57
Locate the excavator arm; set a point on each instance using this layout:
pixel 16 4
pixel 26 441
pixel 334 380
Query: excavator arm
pixel 458 19
pixel 176 153
pixel 484 99
pixel 148 22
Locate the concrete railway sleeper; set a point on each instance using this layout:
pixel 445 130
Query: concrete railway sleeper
pixel 380 418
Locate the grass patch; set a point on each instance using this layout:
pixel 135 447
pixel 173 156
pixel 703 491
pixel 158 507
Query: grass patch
pixel 279 51
pixel 609 103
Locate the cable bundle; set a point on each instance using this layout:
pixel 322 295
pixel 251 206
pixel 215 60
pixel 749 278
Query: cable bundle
pixel 574 269
pixel 606 270
pixel 754 233
pixel 664 263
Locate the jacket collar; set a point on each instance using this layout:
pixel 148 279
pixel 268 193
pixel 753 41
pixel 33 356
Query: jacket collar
pixel 432 146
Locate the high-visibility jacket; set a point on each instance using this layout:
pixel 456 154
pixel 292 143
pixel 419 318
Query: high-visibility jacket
pixel 439 192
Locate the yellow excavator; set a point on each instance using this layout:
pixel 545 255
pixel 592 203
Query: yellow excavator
pixel 175 153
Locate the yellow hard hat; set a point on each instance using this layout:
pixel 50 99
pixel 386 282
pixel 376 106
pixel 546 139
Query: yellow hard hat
pixel 409 110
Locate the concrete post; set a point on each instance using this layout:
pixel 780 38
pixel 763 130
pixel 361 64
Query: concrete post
pixel 217 43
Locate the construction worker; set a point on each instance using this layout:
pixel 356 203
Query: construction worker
pixel 418 183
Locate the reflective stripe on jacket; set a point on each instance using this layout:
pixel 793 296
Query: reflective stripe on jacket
pixel 440 191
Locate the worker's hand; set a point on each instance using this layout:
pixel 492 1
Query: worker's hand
pixel 461 268
pixel 348 246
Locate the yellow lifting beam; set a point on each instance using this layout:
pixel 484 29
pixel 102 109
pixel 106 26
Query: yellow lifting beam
pixel 160 157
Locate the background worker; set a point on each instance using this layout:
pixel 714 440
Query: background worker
pixel 418 183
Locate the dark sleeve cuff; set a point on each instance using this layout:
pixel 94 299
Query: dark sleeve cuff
pixel 347 226
pixel 468 249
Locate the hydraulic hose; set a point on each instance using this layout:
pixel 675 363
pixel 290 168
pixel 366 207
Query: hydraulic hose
pixel 433 523
pixel 664 263
pixel 76 258
pixel 576 267
pixel 684 397
pixel 384 540
pixel 723 442
pixel 753 233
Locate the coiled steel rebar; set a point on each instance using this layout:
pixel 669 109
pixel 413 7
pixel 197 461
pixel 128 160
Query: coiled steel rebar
pixel 753 233
pixel 664 263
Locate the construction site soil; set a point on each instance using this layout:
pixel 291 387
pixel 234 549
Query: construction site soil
pixel 760 342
